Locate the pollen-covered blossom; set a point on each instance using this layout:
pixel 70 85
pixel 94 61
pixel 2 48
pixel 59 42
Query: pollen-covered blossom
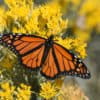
pixel 24 92
pixel 80 47
pixel 45 19
pixel 15 15
pixel 7 91
pixel 19 9
pixel 11 92
pixel 48 90
pixel 67 43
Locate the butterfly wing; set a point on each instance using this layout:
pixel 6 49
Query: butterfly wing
pixel 30 48
pixel 70 64
pixel 49 68
pixel 60 61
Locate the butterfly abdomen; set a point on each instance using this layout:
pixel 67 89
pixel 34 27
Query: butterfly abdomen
pixel 48 45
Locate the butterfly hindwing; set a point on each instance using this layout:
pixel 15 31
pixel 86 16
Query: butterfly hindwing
pixel 22 43
pixel 69 64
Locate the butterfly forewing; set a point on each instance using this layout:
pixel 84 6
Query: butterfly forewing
pixel 30 48
pixel 33 59
pixel 22 43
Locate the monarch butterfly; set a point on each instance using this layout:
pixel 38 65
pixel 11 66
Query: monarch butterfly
pixel 52 58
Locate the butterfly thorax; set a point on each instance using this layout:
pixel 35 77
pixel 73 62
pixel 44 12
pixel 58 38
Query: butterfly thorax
pixel 48 45
pixel 49 41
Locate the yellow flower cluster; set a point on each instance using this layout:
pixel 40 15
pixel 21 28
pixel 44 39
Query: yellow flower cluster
pixel 18 9
pixel 47 20
pixel 10 92
pixel 48 90
pixel 23 92
pixel 80 47
pixel 7 91
pixel 22 16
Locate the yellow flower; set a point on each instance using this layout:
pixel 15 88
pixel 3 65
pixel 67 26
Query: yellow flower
pixel 17 14
pixel 19 9
pixel 20 30
pixel 48 90
pixel 50 19
pixel 79 46
pixel 10 92
pixel 23 92
pixel 7 91
pixel 67 43
pixel 44 20
pixel 31 25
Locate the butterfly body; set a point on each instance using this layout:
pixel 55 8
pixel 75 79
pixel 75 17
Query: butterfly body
pixel 51 58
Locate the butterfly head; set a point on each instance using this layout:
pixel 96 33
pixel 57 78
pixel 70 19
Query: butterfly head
pixel 51 37
pixel 49 41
